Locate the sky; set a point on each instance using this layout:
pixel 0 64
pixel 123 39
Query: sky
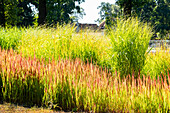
pixel 90 8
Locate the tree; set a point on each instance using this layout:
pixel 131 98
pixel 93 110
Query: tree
pixel 26 14
pixel 162 19
pixel 77 14
pixel 108 12
pixel 2 13
pixel 157 13
pixel 16 12
pixel 130 5
pixel 8 11
pixel 57 11
pixel 20 13
pixel 42 12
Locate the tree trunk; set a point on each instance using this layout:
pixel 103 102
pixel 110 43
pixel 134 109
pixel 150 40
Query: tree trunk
pixel 2 17
pixel 42 12
pixel 128 8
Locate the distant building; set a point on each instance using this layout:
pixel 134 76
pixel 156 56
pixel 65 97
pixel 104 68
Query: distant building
pixel 83 26
pixel 102 25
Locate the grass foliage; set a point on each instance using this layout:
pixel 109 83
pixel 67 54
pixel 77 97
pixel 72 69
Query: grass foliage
pixel 130 41
pixel 61 41
pixel 61 69
pixel 157 63
pixel 74 86
pixel 10 37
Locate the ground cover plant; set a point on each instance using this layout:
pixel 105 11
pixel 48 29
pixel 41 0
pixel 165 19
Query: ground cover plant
pixel 75 86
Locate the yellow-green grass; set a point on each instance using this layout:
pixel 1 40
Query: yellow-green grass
pixel 61 41
pixel 129 43
pixel 123 49
pixel 10 37
pixel 157 63
pixel 75 86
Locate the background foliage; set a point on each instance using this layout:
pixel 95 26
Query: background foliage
pixel 24 12
pixel 155 12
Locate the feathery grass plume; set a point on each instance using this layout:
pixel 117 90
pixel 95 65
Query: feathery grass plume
pixel 157 64
pixel 130 41
pixel 20 82
pixel 73 85
pixel 64 42
pixel 10 37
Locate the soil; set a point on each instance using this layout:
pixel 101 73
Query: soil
pixel 12 108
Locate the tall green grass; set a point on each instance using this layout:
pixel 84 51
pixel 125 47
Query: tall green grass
pixel 61 41
pixel 75 86
pixel 130 41
pixel 157 63
pixel 123 49
pixel 10 37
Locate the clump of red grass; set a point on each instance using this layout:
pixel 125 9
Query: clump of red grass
pixel 73 85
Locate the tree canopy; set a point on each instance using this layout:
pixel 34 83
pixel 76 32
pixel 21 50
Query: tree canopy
pixel 60 11
pixel 131 5
pixel 49 12
pixel 21 13
pixel 108 10
pixel 155 12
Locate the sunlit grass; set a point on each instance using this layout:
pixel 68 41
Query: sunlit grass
pixel 63 42
pixel 130 41
pixel 158 63
pixel 75 86
pixel 10 37
pixel 61 69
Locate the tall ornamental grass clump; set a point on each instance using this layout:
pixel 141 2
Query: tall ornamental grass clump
pixel 130 41
pixel 63 42
pixel 75 86
pixel 19 82
pixel 60 41
pixel 10 37
pixel 126 40
pixel 46 42
pixel 157 63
